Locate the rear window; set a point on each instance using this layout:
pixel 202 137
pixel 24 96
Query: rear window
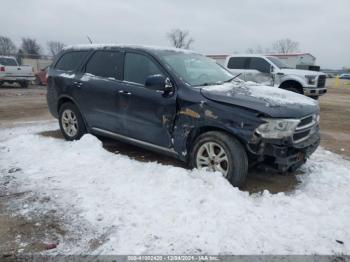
pixel 7 61
pixel 105 64
pixel 238 63
pixel 70 61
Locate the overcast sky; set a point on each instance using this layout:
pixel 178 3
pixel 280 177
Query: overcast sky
pixel 222 26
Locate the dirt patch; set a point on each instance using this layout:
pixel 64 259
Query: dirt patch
pixel 335 118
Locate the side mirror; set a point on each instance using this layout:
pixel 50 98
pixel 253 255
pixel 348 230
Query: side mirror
pixel 272 69
pixel 159 83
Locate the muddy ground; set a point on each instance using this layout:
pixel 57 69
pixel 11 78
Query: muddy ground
pixel 39 233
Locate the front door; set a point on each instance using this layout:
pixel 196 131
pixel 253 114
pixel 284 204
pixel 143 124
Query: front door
pixel 150 114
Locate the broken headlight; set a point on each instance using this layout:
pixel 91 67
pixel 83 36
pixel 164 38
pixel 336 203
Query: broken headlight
pixel 277 128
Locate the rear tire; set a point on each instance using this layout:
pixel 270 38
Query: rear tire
pixel 38 81
pixel 24 84
pixel 71 122
pixel 234 167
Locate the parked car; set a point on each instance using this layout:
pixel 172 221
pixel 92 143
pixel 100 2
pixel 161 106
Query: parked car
pixel 344 76
pixel 11 72
pixel 41 77
pixel 182 104
pixel 260 68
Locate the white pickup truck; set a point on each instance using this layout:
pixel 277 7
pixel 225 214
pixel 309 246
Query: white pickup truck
pixel 11 72
pixel 272 71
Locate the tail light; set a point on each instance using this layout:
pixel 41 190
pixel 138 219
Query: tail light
pixel 2 69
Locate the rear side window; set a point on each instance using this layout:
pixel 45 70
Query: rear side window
pixel 70 61
pixel 7 61
pixel 259 64
pixel 238 63
pixel 105 64
pixel 138 67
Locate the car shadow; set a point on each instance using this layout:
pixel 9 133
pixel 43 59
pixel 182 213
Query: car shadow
pixel 257 181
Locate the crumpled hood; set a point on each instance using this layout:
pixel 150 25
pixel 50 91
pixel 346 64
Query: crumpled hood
pixel 271 101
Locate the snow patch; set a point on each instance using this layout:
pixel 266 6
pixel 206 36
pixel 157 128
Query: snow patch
pixel 65 75
pixel 149 208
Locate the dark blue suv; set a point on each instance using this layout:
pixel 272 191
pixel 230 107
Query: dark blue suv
pixel 183 104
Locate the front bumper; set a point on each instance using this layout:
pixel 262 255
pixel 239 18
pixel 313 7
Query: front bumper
pixel 287 157
pixel 314 91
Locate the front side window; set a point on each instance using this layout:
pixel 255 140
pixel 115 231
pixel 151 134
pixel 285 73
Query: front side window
pixel 138 67
pixel 259 64
pixel 105 64
pixel 70 61
pixel 278 62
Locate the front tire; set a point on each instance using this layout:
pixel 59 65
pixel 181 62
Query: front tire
pixel 217 151
pixel 71 122
pixel 24 84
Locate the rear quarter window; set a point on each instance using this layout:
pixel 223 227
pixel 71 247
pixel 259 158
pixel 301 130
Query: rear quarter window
pixel 238 63
pixel 70 61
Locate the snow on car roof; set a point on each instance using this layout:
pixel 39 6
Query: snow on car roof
pixel 110 46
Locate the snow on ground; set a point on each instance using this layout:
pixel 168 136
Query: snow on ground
pixel 149 208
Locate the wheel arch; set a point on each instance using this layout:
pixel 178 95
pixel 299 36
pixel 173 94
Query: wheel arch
pixel 292 83
pixel 68 99
pixel 196 132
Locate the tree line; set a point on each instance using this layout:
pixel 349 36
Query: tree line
pixel 28 46
pixel 178 38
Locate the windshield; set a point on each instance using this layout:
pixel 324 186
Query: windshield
pixel 278 62
pixel 7 61
pixel 195 69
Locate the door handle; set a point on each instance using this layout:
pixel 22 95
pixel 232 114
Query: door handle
pixel 124 92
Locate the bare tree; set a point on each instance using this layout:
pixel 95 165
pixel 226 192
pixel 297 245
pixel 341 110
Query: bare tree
pixel 285 46
pixel 180 38
pixel 30 46
pixel 54 47
pixel 7 47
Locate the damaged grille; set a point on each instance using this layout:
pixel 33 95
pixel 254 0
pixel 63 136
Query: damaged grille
pixel 303 130
pixel 321 81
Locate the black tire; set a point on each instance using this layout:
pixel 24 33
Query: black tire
pixel 80 125
pixel 314 97
pixel 1 83
pixel 37 81
pixel 236 154
pixel 292 89
pixel 24 84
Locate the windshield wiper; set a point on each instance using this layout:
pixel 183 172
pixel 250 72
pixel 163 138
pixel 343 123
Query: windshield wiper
pixel 219 82
pixel 227 81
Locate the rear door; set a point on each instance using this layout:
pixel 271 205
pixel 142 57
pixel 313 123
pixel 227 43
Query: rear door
pixel 97 91
pixel 238 65
pixel 150 114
